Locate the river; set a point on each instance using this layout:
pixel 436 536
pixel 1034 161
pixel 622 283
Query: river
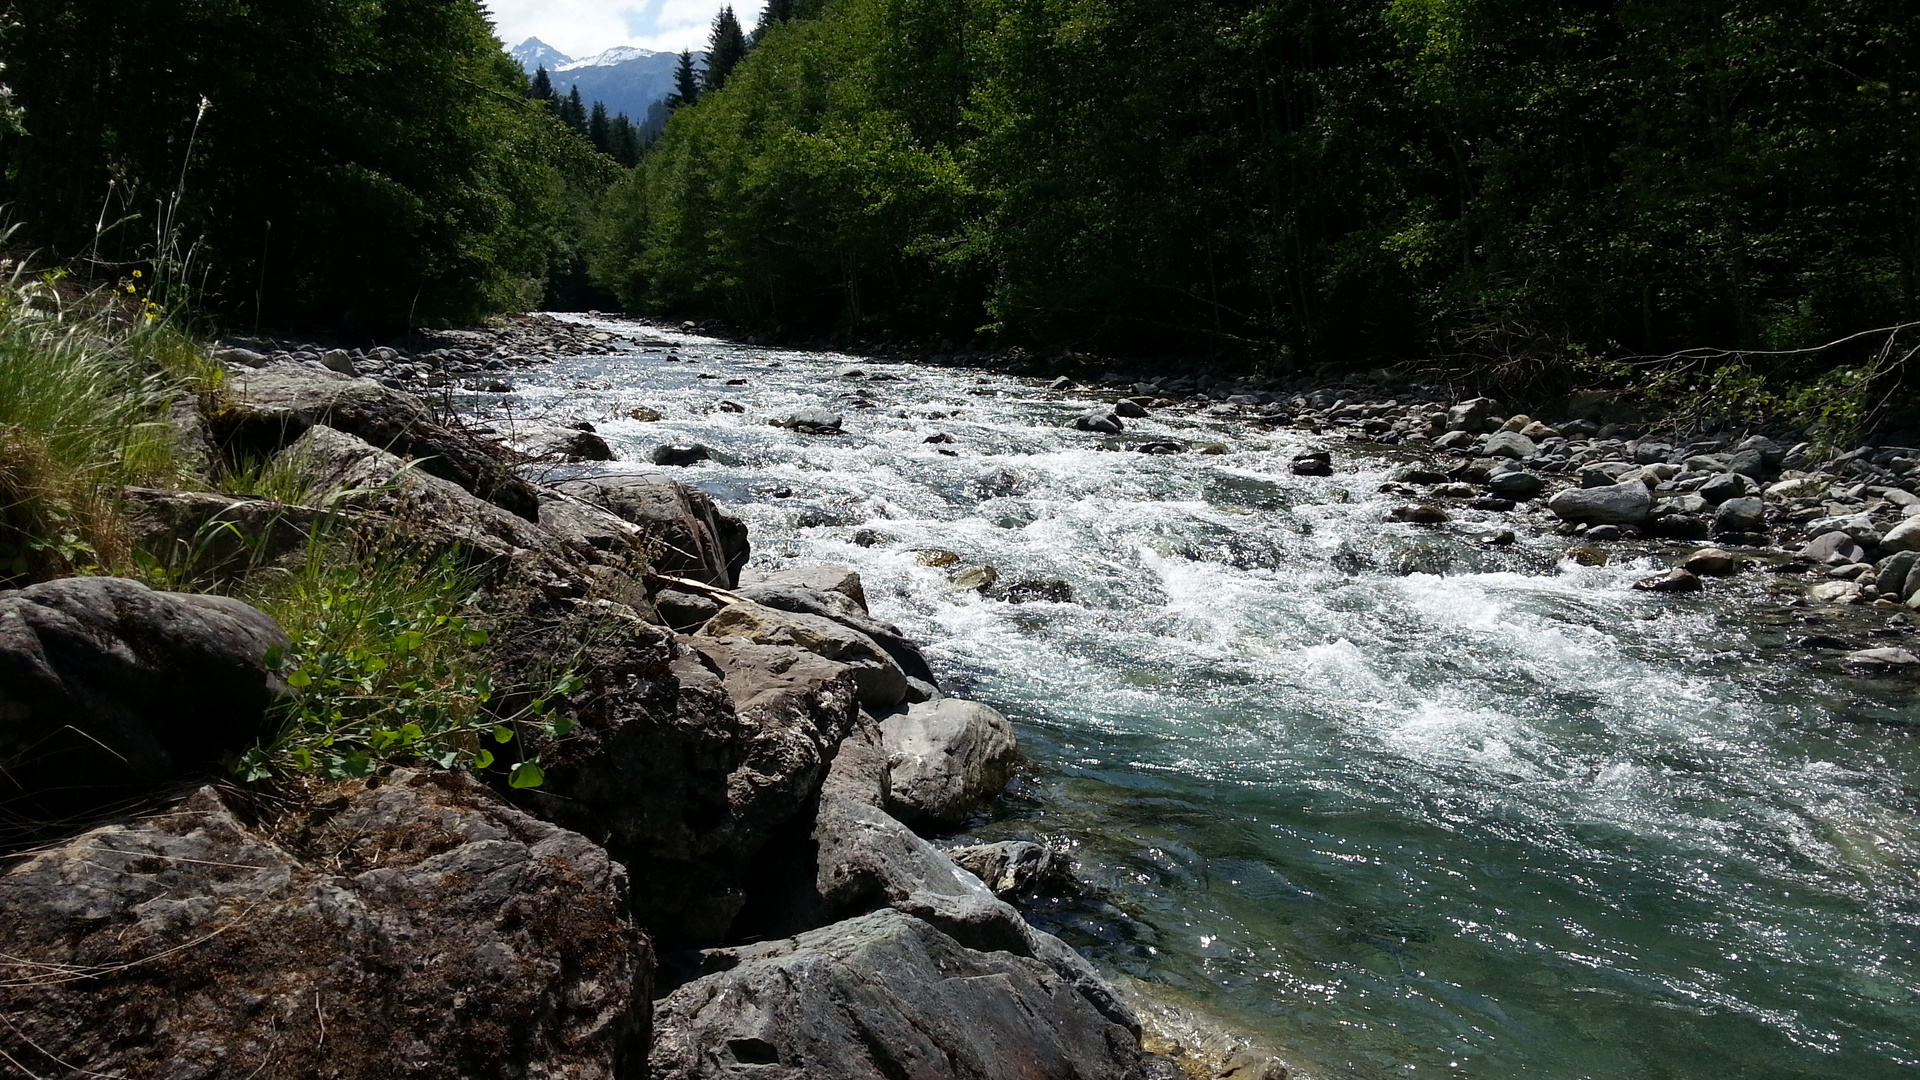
pixel 1402 803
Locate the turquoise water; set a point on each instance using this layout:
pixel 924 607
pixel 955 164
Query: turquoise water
pixel 1401 804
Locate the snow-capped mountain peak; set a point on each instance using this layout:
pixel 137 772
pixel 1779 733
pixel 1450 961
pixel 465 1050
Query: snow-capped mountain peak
pixel 619 54
pixel 534 54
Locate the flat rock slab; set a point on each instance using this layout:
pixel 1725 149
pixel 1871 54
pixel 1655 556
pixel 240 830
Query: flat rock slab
pixel 882 683
pixel 432 932
pixel 881 997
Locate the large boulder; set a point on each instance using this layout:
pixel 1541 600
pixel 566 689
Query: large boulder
pixel 843 608
pixel 208 535
pixel 690 756
pixel 1629 503
pixel 420 927
pixel 265 410
pixel 108 686
pixel 947 757
pixel 885 996
pixel 695 538
pixel 881 681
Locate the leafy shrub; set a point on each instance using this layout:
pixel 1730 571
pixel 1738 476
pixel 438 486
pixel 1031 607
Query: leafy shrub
pixel 389 666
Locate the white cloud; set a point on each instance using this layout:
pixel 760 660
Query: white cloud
pixel 581 28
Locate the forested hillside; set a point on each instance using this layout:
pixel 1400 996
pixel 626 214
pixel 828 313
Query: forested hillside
pixel 1495 180
pixel 335 161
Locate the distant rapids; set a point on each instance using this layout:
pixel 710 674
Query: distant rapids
pixel 1403 804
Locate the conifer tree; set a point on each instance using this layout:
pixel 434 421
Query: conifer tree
pixel 623 141
pixel 725 48
pixel 598 130
pixel 686 83
pixel 542 87
pixel 776 11
pixel 573 112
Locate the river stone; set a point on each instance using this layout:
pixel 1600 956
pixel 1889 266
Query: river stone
pixel 263 411
pixel 1420 514
pixel 577 446
pixel 1016 868
pixel 947 757
pixel 434 932
pixel 1677 580
pixel 1883 660
pixel 1130 410
pixel 1747 514
pixel 1859 527
pixel 1101 420
pixel 811 420
pixel 672 454
pixel 842 608
pixel 975 578
pixel 1728 486
pixel 692 754
pixel 685 612
pixel 1902 537
pixel 1517 485
pixel 1712 562
pixel 1833 549
pixel 821 577
pixel 1473 416
pixel 882 684
pixel 1895 572
pixel 1509 444
pixel 1615 504
pixel 696 539
pixel 1313 463
pixel 1836 592
pixel 107 686
pixel 883 997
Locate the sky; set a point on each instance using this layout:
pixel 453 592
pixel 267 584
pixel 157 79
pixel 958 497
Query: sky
pixel 582 28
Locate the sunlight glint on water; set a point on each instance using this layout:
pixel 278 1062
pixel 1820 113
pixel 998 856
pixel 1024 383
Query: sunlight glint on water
pixel 1405 806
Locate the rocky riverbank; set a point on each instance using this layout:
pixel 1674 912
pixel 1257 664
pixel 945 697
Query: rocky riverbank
pixel 717 873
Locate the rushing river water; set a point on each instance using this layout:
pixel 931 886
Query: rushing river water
pixel 1402 804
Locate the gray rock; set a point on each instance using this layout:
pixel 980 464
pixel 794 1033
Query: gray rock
pixel 1130 410
pixel 696 539
pixel 1902 537
pixel 1473 416
pixel 685 612
pixel 679 455
pixel 1101 420
pixel 1883 660
pixel 812 420
pixel 882 997
pixel 860 771
pixel 1835 592
pixel 1896 571
pixel 337 360
pixel 947 758
pixel 1833 549
pixel 838 605
pixel 1509 444
pixel 582 446
pixel 1728 486
pixel 1747 514
pixel 1857 526
pixel 1016 868
pixel 438 933
pixel 1677 580
pixel 882 684
pixel 266 410
pixel 107 686
pixel 1711 562
pixel 820 577
pixel 1629 503
pixel 694 754
pixel 1516 485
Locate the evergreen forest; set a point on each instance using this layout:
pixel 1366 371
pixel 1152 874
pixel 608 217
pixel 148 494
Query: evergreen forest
pixel 1517 184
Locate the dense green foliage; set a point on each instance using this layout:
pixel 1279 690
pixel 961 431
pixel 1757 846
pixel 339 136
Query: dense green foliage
pixel 1494 179
pixel 356 160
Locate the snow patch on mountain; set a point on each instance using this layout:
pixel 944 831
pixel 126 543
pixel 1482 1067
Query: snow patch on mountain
pixel 534 54
pixel 619 54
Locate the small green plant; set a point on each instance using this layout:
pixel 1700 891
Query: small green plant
pixel 387 667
